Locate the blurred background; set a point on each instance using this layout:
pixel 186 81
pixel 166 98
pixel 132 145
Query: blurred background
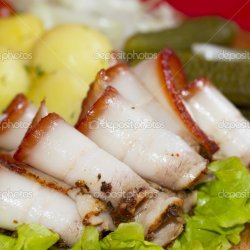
pixel 69 41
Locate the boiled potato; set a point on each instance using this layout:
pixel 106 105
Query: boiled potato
pixel 76 48
pixel 20 32
pixel 64 92
pixel 14 78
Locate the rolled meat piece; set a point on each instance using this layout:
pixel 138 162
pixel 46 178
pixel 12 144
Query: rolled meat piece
pixel 161 218
pixel 131 135
pixel 121 78
pixel 69 156
pixel 14 122
pixel 92 211
pixel 163 77
pixel 25 199
pixel 168 208
pixel 171 231
pixel 220 119
pixel 57 149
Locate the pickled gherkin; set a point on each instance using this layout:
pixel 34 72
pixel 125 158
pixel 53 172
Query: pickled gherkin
pixel 230 77
pixel 246 113
pixel 206 29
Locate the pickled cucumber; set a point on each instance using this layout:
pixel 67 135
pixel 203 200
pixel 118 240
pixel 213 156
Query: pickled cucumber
pixel 206 29
pixel 246 113
pixel 231 77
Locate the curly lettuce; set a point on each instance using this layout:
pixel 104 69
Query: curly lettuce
pixel 128 236
pixel 222 210
pixel 30 237
pixel 89 240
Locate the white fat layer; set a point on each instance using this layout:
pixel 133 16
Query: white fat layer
pixel 70 156
pixel 25 201
pixel 149 213
pixel 222 122
pixel 168 233
pixel 91 210
pixel 133 90
pixel 48 178
pixel 11 138
pixel 132 136
pixel 146 72
pixel 2 117
pixel 85 202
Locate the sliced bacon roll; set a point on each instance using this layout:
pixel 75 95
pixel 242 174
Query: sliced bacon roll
pixel 163 77
pixel 57 149
pixel 26 198
pixel 131 135
pixel 220 119
pixel 92 211
pixel 14 122
pixel 121 78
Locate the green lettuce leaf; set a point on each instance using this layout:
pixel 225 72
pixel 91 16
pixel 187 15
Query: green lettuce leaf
pixel 89 240
pixel 222 210
pixel 7 243
pixel 30 237
pixel 128 236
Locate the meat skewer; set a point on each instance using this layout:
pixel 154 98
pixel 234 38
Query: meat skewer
pixel 66 154
pixel 130 135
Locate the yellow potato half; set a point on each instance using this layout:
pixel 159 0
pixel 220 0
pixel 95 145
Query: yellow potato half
pixel 14 78
pixel 64 92
pixel 76 48
pixel 20 32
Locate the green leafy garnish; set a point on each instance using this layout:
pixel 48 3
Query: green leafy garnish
pixel 89 240
pixel 222 210
pixel 30 237
pixel 128 236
